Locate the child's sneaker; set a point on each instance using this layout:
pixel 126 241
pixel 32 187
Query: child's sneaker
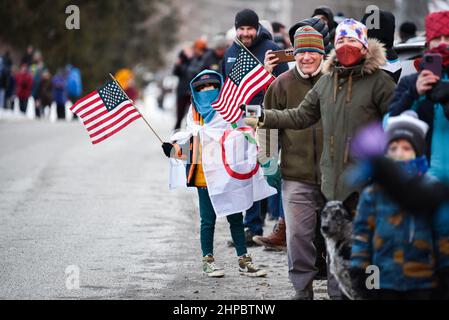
pixel 210 268
pixel 247 267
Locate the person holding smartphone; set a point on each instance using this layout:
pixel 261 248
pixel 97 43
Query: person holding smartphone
pixel 258 41
pixel 427 92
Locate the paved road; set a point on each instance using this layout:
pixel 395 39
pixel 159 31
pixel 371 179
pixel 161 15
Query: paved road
pixel 106 210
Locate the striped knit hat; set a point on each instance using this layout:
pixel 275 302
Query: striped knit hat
pixel 307 39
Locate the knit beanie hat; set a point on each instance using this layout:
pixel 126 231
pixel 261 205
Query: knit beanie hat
pixel 407 126
pixel 307 39
pixel 247 17
pixel 352 29
pixel 408 28
pixel 319 25
pixel 437 25
pixel 385 32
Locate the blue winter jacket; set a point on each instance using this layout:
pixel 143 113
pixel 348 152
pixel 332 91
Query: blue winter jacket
pixel 406 97
pixel 263 43
pixel 398 242
pixel 441 236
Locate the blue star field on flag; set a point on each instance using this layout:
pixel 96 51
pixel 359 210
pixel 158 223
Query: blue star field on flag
pixel 243 65
pixel 112 95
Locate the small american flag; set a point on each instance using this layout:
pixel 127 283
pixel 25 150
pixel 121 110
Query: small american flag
pixel 105 112
pixel 246 79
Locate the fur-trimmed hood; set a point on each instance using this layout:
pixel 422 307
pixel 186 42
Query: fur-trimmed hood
pixel 374 59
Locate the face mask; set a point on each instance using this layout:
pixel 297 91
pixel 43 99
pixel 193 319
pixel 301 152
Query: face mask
pixel 443 50
pixel 206 97
pixel 203 102
pixel 348 55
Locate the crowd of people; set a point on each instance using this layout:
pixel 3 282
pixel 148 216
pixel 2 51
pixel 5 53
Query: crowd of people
pixel 344 77
pixel 32 78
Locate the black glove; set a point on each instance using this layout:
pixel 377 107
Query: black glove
pixel 413 194
pixel 167 147
pixel 440 92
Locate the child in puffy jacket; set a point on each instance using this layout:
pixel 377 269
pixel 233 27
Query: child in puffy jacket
pixel 400 243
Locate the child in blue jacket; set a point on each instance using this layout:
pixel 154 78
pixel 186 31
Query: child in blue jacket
pixel 400 243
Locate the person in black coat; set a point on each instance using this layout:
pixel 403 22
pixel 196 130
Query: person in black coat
pixel 325 14
pixel 258 41
pixel 385 34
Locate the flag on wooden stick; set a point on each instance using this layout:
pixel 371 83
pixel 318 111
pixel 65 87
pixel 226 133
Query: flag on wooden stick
pixel 105 111
pixel 247 77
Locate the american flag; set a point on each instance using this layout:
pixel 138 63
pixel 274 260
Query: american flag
pixel 246 79
pixel 105 112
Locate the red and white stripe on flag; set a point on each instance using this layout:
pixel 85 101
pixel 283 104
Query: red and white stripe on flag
pixel 232 96
pixel 100 122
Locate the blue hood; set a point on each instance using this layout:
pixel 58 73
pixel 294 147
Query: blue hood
pixel 203 100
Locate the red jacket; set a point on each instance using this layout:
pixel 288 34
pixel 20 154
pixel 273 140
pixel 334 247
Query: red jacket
pixel 24 85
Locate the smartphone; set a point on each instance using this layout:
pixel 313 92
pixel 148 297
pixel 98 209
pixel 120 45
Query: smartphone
pixel 284 55
pixel 253 111
pixel 433 62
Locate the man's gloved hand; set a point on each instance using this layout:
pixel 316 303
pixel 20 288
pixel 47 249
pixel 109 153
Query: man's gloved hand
pixel 167 147
pixel 440 92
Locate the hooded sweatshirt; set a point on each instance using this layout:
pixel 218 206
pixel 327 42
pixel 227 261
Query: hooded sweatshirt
pixel 201 112
pixel 385 34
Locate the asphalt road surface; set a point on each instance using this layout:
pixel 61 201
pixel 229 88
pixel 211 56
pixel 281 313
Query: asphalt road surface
pixel 79 221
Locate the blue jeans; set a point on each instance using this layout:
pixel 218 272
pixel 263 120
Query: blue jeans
pixel 275 205
pixel 253 221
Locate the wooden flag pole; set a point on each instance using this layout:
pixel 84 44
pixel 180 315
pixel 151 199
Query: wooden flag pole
pixel 115 80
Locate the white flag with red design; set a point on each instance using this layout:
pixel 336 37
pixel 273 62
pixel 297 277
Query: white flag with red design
pixel 233 176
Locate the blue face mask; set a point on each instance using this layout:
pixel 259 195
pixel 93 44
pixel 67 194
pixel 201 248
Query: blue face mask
pixel 203 101
pixel 415 167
